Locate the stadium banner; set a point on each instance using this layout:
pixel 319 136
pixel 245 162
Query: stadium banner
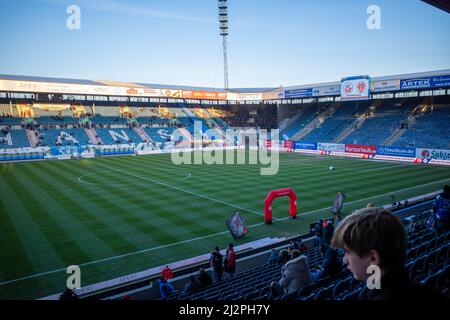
pixel 425 82
pixel 288 145
pixel 338 203
pixel 273 95
pixel 68 88
pixel 168 93
pixel 387 85
pixel 298 93
pixel 359 148
pixel 409 152
pixel 234 96
pixel 208 95
pixel 433 154
pixel 355 88
pixel 331 147
pixel 305 145
pixel 237 226
pixel 327 91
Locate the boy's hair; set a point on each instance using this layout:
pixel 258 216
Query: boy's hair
pixel 296 254
pixel 374 229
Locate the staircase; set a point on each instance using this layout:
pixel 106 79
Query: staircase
pixel 399 132
pixel 315 123
pixel 350 129
pixel 143 135
pixel 356 124
pixel 90 132
pixel 31 134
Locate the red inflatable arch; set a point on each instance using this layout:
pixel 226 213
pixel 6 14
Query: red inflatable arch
pixel 276 194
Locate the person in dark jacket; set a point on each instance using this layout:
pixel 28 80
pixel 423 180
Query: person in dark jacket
pixel 68 294
pixel 374 240
pixel 273 257
pixel 441 211
pixel 331 265
pixel 204 279
pixel 283 257
pixel 192 285
pixel 216 263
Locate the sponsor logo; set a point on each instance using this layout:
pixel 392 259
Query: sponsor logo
pixel 361 87
pixel 132 91
pixel 416 83
pixel 425 154
pixel 348 87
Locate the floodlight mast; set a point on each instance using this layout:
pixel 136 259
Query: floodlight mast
pixel 223 27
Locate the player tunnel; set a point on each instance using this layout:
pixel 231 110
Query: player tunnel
pixel 285 192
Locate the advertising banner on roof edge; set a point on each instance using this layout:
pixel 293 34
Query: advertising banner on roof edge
pixel 425 82
pixel 208 95
pixel 298 93
pixel 69 88
pixel 327 91
pixel 387 85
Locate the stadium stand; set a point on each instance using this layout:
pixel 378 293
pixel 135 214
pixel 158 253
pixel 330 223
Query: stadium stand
pixel 427 263
pixel 431 129
pixel 118 136
pixel 63 137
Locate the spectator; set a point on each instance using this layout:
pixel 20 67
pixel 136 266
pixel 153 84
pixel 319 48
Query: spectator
pixel 375 236
pixel 441 211
pixel 290 249
pixel 283 257
pixel 230 261
pixel 167 273
pixel 331 265
pixel 273 257
pixel 165 288
pixel 192 285
pixel 216 262
pixel 68 295
pixel 301 246
pixel 327 233
pixel 204 279
pixel 294 275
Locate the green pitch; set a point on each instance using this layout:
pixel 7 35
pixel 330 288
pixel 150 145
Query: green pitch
pixel 116 216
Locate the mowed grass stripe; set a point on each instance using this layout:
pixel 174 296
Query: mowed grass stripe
pixel 128 208
pixel 13 248
pixel 90 215
pixel 34 238
pixel 64 230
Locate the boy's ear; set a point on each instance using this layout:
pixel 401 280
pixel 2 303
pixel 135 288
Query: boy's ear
pixel 374 257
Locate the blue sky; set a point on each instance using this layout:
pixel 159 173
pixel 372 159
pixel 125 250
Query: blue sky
pixel 271 42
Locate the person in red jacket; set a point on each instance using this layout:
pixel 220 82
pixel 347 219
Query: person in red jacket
pixel 230 261
pixel 167 273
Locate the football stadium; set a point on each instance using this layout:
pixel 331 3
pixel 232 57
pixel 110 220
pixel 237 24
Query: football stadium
pixel 120 190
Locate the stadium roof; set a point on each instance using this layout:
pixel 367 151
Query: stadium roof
pixel 441 4
pixel 237 90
